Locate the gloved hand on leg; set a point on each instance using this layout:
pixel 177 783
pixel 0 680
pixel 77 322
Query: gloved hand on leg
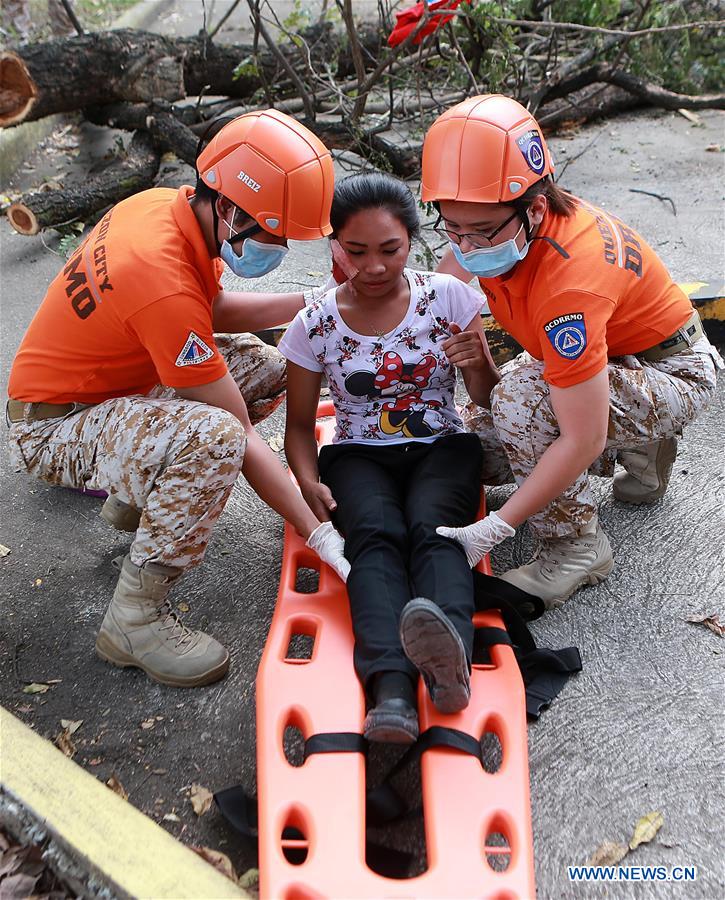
pixel 329 545
pixel 481 537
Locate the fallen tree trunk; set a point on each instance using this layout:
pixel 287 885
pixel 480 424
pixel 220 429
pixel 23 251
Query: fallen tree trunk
pixel 585 106
pixel 135 172
pixel 66 74
pixel 71 73
pixel 160 119
pixel 652 94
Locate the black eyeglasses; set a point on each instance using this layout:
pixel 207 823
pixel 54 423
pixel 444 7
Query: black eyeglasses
pixel 476 238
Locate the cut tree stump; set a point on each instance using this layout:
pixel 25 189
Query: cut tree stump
pixel 123 177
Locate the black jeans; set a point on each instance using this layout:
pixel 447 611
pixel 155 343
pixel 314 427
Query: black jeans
pixel 389 501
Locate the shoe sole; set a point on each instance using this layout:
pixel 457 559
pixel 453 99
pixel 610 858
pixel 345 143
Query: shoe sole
pixel 594 577
pixel 644 499
pixel 388 728
pixel 110 653
pixel 432 644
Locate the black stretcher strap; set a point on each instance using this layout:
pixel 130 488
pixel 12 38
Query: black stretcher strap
pixel 384 803
pixel 545 672
pixel 240 810
pixel 335 742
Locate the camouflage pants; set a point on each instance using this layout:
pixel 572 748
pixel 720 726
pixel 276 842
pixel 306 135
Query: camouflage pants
pixel 648 402
pixel 175 460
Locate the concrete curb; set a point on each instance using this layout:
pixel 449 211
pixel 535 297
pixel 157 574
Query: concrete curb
pixel 17 143
pixel 120 850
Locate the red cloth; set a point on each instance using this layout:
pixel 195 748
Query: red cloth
pixel 407 20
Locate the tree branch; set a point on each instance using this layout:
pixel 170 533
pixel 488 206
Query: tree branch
pixel 274 49
pixel 592 29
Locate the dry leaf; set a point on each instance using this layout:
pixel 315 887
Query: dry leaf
pixel 18 887
pixel 217 859
pixel 117 788
pixel 608 854
pixel 148 723
pixel 65 744
pixel 276 442
pixel 171 817
pixel 36 688
pixel 316 274
pixel 71 726
pixel 713 148
pixel 201 799
pixel 4 550
pixel 646 828
pixel 38 582
pixel 183 607
pixel 712 622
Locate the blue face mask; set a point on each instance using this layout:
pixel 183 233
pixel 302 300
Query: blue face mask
pixel 488 262
pixel 256 258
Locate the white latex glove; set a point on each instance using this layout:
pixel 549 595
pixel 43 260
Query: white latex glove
pixel 481 537
pixel 329 545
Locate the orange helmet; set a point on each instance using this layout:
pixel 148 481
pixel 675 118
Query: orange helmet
pixel 276 170
pixel 487 149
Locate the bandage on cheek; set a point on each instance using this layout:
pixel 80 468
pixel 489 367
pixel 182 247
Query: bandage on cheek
pixel 343 268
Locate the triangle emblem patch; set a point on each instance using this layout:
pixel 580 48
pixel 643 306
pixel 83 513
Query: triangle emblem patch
pixel 194 351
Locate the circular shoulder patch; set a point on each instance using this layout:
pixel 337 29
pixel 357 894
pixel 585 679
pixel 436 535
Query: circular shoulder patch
pixel 567 334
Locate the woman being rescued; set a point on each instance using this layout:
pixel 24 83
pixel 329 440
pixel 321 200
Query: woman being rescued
pixel 389 340
pixel 616 361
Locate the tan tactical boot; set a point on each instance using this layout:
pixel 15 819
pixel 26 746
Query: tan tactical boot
pixel 120 515
pixel 140 629
pixel 562 565
pixel 647 472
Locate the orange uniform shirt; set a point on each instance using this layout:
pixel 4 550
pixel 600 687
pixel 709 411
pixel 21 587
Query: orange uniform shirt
pixel 603 293
pixel 131 309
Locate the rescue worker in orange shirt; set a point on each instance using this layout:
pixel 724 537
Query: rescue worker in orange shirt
pixel 615 360
pixel 136 375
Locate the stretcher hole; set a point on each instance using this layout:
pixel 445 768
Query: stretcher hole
pixel 498 851
pixel 307 581
pixel 491 752
pixel 293 744
pixel 300 648
pixel 295 846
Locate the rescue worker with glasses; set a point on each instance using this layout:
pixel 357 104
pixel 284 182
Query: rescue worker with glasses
pixel 615 361
pixel 137 375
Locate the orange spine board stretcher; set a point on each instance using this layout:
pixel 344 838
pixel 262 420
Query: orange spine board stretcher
pixel 467 810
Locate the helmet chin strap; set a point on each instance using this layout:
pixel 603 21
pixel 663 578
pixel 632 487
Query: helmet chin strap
pixel 215 220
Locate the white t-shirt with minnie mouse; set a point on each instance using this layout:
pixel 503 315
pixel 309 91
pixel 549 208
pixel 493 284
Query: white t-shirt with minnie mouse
pixel 393 388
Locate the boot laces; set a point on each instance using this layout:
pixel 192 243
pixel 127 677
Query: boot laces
pixel 173 624
pixel 561 554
